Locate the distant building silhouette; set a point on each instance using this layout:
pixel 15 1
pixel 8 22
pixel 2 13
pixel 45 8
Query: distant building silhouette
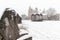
pixel 31 11
pixel 54 17
pixel 36 17
pixel 33 17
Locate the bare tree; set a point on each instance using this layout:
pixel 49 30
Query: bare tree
pixel 51 12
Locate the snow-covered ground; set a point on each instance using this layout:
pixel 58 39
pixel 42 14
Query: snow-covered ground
pixel 45 30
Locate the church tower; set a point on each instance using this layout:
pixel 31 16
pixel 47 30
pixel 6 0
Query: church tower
pixel 30 12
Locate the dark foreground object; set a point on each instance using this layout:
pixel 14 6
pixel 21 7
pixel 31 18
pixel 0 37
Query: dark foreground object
pixel 8 25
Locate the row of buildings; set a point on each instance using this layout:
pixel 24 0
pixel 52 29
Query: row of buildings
pixel 35 14
pixel 40 17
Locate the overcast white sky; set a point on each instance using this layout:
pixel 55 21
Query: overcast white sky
pixel 21 6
